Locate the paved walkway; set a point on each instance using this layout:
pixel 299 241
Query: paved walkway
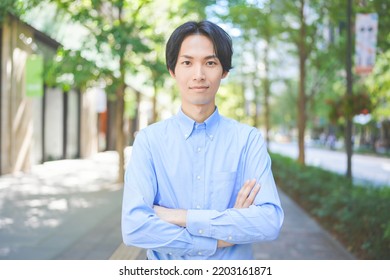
pixel 65 209
pixel 70 209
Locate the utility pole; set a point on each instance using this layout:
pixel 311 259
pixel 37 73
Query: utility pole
pixel 348 65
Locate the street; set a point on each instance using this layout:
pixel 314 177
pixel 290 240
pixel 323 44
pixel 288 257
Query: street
pixel 365 168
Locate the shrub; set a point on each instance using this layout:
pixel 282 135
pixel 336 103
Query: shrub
pixel 358 216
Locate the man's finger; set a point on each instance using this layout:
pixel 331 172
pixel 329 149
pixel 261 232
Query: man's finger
pixel 244 193
pixel 251 198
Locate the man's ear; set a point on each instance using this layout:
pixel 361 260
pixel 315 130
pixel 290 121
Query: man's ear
pixel 171 73
pixel 225 74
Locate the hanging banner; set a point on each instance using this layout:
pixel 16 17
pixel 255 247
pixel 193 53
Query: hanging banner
pixel 34 76
pixel 366 29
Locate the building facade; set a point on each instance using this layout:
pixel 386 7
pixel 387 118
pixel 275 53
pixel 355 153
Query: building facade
pixel 38 123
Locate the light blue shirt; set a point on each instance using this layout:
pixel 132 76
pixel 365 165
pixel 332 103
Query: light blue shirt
pixel 178 163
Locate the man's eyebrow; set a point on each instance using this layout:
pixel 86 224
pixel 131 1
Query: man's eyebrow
pixel 211 56
pixel 186 56
pixel 206 57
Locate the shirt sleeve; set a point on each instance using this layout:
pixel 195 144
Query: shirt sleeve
pixel 141 227
pixel 261 221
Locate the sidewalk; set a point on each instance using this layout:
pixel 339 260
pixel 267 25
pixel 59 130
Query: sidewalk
pixel 70 209
pixel 301 238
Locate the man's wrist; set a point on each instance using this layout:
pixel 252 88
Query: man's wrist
pixel 223 244
pixel 173 216
pixel 179 217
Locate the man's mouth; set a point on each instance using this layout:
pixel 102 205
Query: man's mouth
pixel 199 87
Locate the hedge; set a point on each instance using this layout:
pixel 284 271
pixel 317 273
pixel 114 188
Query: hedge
pixel 357 215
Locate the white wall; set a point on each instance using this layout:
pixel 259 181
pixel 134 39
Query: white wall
pixel 71 148
pixel 54 123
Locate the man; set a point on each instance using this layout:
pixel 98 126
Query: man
pixel 199 185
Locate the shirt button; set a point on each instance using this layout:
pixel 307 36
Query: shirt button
pixel 198 177
pixel 230 238
pixel 200 231
pixel 199 253
pixel 197 206
pixel 199 149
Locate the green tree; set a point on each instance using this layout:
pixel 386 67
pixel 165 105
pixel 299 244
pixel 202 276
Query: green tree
pixel 302 33
pixel 123 34
pixel 285 116
pixel 320 59
pixel 378 84
pixel 116 29
pixel 16 7
pixel 70 68
pixel 258 30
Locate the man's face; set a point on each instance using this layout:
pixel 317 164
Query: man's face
pixel 198 72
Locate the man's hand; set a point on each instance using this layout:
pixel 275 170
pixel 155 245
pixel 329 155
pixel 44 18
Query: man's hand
pixel 245 198
pixel 246 195
pixel 173 216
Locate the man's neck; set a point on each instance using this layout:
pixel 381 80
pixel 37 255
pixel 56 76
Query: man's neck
pixel 198 113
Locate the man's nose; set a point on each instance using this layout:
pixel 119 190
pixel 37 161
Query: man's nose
pixel 198 73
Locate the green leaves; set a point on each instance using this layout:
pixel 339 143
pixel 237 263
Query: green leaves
pixel 349 106
pixel 70 69
pixel 16 7
pixel 378 84
pixel 357 215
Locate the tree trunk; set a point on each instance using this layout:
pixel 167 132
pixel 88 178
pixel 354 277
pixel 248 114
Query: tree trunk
pixel 120 145
pixel 120 110
pixel 348 65
pixel 266 109
pixel 302 93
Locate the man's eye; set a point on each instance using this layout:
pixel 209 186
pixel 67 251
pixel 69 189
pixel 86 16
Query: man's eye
pixel 186 62
pixel 211 63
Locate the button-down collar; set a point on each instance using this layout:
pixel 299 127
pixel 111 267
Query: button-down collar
pixel 187 124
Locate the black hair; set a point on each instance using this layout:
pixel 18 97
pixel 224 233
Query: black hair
pixel 221 40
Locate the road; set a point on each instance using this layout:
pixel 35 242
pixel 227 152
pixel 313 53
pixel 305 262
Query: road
pixel 365 168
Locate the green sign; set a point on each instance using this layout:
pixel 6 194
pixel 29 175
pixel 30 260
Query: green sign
pixel 34 76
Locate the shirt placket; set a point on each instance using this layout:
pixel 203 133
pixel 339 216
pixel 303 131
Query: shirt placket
pixel 198 201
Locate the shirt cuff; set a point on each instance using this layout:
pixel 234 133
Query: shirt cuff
pixel 203 246
pixel 198 222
